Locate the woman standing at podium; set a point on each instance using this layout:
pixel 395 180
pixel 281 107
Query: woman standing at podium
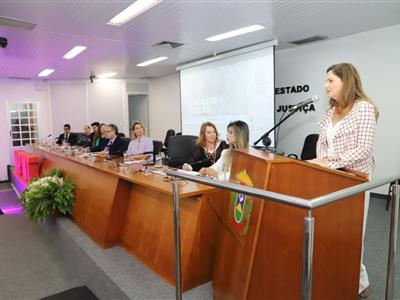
pixel 237 137
pixel 347 133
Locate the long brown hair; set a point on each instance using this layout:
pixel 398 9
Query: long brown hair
pixel 352 90
pixel 201 140
pixel 97 134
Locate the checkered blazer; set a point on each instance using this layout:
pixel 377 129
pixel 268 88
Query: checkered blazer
pixel 353 141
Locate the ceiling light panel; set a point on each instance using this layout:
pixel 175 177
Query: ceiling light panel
pixel 107 75
pixel 74 52
pixel 233 33
pixel 152 61
pixel 132 11
pixel 46 72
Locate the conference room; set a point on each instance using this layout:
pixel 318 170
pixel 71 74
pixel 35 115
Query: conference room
pixel 199 149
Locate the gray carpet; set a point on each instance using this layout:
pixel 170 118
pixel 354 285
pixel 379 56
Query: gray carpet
pixel 38 260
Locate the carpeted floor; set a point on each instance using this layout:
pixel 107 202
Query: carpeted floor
pixel 32 265
pixel 77 293
pixel 9 203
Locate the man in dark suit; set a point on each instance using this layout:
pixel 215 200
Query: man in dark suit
pixel 67 136
pixel 115 145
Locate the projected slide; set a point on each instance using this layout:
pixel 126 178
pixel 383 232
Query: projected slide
pixel 235 88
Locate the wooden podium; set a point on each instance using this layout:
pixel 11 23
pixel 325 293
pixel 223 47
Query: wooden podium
pixel 265 260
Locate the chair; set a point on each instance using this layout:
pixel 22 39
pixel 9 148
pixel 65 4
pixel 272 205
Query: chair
pixel 170 132
pixel 157 145
pixel 309 150
pixel 179 149
pixel 126 142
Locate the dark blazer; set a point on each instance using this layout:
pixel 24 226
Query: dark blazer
pixel 118 147
pixel 200 159
pixel 84 141
pixel 72 139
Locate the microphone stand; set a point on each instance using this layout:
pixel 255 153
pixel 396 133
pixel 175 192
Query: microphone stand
pixel 265 137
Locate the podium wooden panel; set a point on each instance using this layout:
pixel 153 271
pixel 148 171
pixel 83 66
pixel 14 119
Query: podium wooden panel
pixel 266 263
pixel 134 210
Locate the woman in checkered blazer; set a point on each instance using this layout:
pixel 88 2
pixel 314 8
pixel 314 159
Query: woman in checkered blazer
pixel 347 132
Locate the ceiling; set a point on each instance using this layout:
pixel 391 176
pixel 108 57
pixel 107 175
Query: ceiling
pixel 64 24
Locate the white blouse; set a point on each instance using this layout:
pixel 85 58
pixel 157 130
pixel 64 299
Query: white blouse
pixel 330 134
pixel 219 166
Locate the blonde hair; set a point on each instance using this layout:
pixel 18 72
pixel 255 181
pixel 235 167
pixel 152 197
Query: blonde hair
pixel 241 131
pixel 133 128
pixel 201 140
pixel 352 90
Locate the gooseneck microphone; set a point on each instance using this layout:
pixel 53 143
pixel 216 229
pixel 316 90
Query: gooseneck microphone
pixel 313 99
pixel 265 137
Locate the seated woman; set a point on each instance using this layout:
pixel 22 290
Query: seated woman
pixel 99 141
pixel 207 150
pixel 237 137
pixel 140 144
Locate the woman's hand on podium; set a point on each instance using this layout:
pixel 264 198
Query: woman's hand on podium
pixel 324 162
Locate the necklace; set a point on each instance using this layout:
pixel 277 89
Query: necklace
pixel 210 155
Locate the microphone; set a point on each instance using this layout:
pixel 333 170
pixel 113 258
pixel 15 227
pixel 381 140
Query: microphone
pixel 265 137
pixel 301 104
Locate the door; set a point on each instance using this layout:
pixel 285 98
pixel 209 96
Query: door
pixel 23 122
pixel 139 111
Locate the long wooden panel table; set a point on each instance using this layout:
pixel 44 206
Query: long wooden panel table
pixel 134 210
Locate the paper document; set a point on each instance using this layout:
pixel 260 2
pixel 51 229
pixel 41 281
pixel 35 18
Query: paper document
pixel 130 162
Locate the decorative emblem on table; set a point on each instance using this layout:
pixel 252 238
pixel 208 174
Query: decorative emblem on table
pixel 241 206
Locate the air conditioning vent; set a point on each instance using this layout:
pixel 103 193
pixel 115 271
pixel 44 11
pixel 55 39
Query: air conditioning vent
pixel 310 39
pixel 168 45
pixel 4 21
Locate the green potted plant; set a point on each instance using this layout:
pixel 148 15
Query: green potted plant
pixel 48 195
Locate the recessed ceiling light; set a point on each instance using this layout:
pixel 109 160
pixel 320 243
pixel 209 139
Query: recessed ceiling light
pixel 132 11
pixel 74 52
pixel 152 61
pixel 233 33
pixel 46 72
pixel 107 75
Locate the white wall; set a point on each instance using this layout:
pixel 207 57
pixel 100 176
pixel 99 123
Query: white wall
pixel 20 91
pixel 164 105
pixel 80 103
pixel 376 55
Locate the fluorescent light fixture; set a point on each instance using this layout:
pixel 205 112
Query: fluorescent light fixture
pixel 233 33
pixel 152 61
pixel 46 72
pixel 132 11
pixel 107 75
pixel 74 52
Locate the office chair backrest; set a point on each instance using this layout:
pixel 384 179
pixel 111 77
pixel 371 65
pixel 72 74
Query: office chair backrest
pixel 170 132
pixel 126 142
pixel 180 148
pixel 157 145
pixel 310 147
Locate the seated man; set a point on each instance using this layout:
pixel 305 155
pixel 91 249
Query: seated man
pixel 115 145
pixel 67 136
pixel 85 140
